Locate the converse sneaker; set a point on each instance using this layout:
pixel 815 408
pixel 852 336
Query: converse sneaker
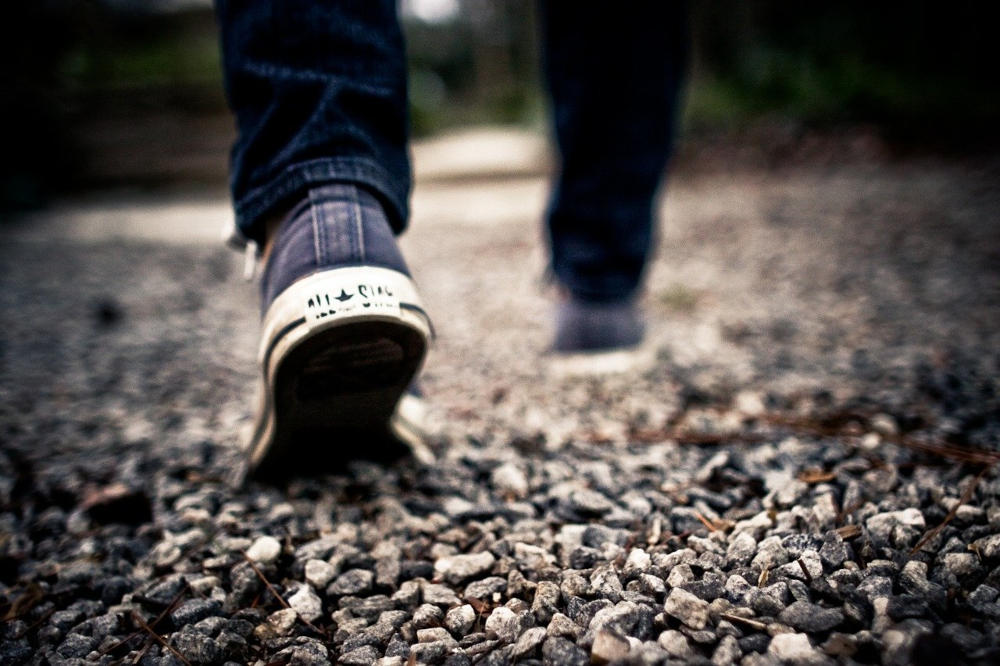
pixel 583 326
pixel 343 335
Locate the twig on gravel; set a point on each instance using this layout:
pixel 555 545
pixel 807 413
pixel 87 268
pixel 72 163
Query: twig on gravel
pixel 816 476
pixel 835 425
pixel 762 579
pixel 704 521
pixel 805 571
pixel 848 532
pixel 24 603
pixel 966 496
pixel 267 583
pixel 34 625
pixel 755 624
pixel 846 511
pixel 159 639
pixel 142 652
pixel 281 600
pixel 159 618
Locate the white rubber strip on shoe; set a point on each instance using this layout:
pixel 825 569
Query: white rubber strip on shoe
pixel 327 298
pixel 323 300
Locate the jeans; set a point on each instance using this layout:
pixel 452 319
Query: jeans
pixel 318 88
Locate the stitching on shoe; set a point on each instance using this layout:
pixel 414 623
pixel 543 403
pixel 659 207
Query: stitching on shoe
pixel 319 232
pixel 357 221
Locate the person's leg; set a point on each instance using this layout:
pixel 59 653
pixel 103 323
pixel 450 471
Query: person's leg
pixel 319 92
pixel 613 74
pixel 320 175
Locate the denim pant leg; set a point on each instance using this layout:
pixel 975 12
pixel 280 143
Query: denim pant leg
pixel 318 88
pixel 613 73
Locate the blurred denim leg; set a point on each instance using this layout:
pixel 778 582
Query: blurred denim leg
pixel 319 93
pixel 613 72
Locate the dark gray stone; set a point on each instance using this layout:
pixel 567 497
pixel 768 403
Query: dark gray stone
pixel 195 610
pixel 362 656
pixel 194 646
pixel 485 589
pixel 561 652
pixel 76 645
pixel 355 581
pixel 810 618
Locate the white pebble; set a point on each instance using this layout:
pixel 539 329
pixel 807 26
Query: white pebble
pixel 319 573
pixel 265 549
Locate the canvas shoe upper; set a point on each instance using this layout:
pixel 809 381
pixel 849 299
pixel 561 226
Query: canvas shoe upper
pixel 343 334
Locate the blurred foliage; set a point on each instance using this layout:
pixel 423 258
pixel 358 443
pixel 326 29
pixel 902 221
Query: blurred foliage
pixel 922 73
pixel 480 66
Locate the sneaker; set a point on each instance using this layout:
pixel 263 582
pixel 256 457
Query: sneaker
pixel 584 326
pixel 344 334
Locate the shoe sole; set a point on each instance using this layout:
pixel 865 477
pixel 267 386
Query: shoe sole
pixel 339 349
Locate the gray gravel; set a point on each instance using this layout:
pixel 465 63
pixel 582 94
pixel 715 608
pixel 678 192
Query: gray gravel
pixel 750 491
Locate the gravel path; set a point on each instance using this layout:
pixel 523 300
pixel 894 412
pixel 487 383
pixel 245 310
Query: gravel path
pixel 763 483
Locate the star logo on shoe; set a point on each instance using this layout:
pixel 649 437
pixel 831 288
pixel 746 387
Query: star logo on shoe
pixel 344 296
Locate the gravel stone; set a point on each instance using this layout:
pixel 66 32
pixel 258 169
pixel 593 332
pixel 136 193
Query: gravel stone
pixel 558 650
pixel 742 548
pixel 898 528
pixel 427 615
pixel 281 622
pixel 354 581
pixel 306 603
pixel 727 652
pixel 899 642
pixel 362 656
pixel 528 642
pixel 194 646
pixel 621 618
pixel 833 552
pixel 609 646
pixel 76 645
pixel 485 589
pixel 638 561
pixel 794 649
pixel 546 601
pixel 319 573
pixel 531 557
pixel 561 625
pixel 264 550
pixel 676 644
pixel 211 626
pixel 810 618
pixel 459 568
pixel 305 651
pixel 504 624
pixel 687 608
pixel 432 634
pixel 606 584
pixel 439 594
pixel 431 653
pixel 651 585
pixel 510 479
pixel 460 620
pixel 590 502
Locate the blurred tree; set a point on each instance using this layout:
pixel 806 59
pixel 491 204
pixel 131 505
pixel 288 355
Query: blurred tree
pixel 922 71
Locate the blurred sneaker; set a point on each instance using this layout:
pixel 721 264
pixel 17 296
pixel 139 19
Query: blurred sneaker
pixel 344 334
pixel 583 326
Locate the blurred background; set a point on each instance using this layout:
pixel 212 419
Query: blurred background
pixel 100 94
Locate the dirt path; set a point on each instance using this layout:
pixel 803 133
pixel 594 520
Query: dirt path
pixel 807 327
